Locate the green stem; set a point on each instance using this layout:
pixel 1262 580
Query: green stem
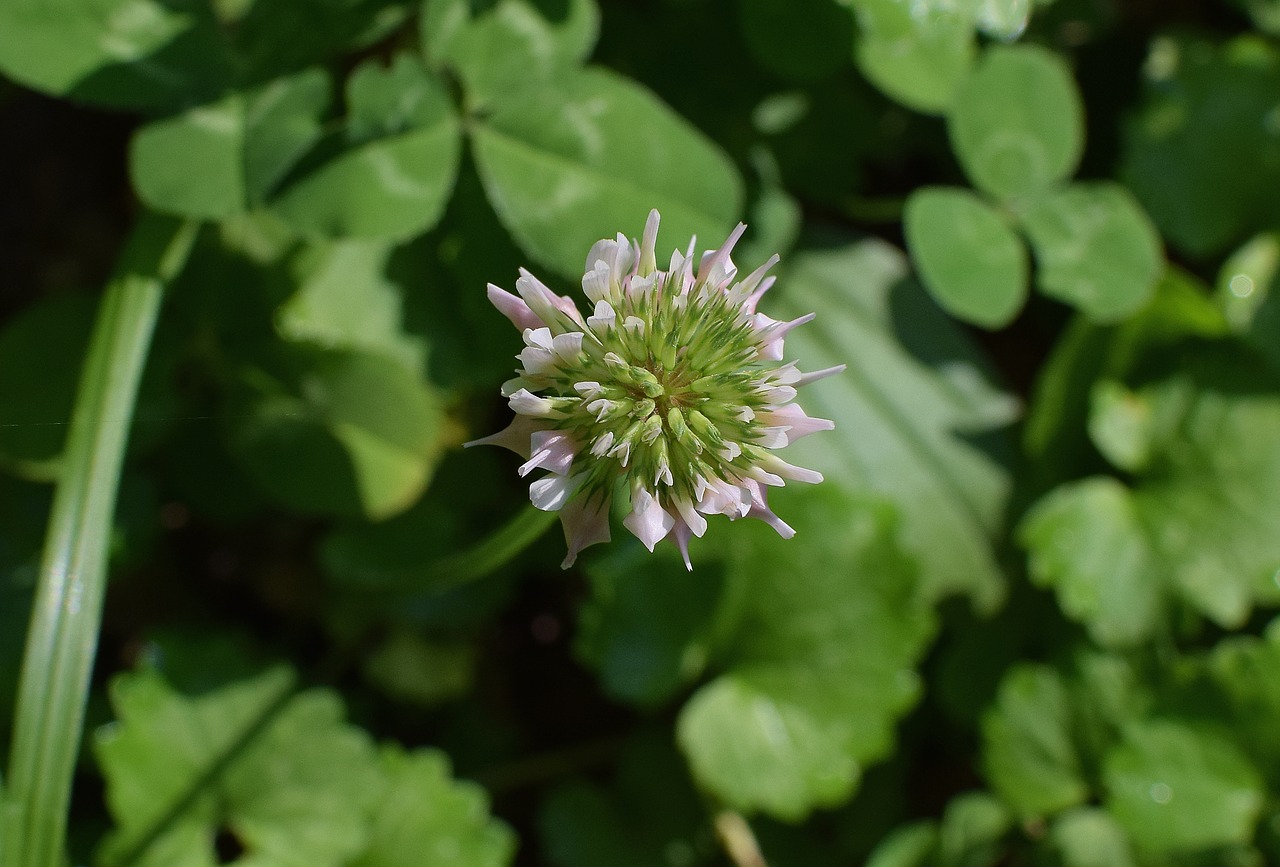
pixel 67 611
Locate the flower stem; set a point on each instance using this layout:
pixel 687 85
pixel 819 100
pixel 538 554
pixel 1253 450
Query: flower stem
pixel 67 611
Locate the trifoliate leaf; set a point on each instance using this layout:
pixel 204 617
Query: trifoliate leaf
pixel 426 817
pixel 565 165
pixel 499 46
pixel 819 664
pixel 1173 787
pixel 913 442
pixel 390 173
pixel 1017 124
pixel 217 159
pixel 1095 249
pixel 1028 751
pixel 968 257
pixel 279 774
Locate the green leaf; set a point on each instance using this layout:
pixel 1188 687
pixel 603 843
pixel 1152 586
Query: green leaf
pixel 968 257
pixel 568 164
pixel 1017 124
pixel 1111 584
pixel 1095 249
pixel 908 411
pixel 510 42
pixel 392 185
pixel 647 630
pixel 917 55
pixel 1243 669
pixel 346 299
pixel 136 54
pixel 909 846
pixel 37 385
pixel 1246 279
pixel 1175 787
pixel 1195 519
pixel 284 776
pixel 1028 753
pixel 1121 426
pixel 971 830
pixel 217 159
pixel 1201 153
pixel 818 667
pixel 1089 837
pixel 426 817
pixel 359 435
pixel 271 37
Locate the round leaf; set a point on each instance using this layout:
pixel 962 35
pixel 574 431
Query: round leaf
pixel 567 165
pixel 918 60
pixel 968 257
pixel 1095 249
pixel 1017 123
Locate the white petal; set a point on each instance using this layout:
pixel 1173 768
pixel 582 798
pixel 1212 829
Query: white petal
pixel 691 517
pixel 552 492
pixel 648 520
pixel 526 402
pixel 604 317
pixel 648 242
pixel 515 436
pixel 796 422
pixel 806 378
pixel 551 449
pixel 775 464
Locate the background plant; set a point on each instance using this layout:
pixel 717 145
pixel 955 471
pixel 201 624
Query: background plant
pixel 1026 620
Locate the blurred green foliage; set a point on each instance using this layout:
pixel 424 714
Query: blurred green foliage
pixel 1023 622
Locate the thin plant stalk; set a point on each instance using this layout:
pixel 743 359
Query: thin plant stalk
pixel 67 612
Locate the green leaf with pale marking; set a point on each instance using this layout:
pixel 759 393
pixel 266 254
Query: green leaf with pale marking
pixel 354 433
pixel 918 55
pixel 346 299
pixel 968 256
pixel 1028 751
pixel 1174 787
pixel 390 173
pixel 283 775
pixel 135 54
pixel 215 160
pixel 568 163
pixel 915 400
pixel 1017 123
pixel 1095 249
pixel 503 45
pixel 426 817
pixel 819 664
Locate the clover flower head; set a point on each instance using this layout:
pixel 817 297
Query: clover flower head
pixel 671 392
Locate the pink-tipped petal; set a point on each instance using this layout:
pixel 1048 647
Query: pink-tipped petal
pixel 717 267
pixel 514 308
pixel 814 376
pixel 551 493
pixel 796 422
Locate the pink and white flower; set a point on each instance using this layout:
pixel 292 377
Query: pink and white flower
pixel 671 393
